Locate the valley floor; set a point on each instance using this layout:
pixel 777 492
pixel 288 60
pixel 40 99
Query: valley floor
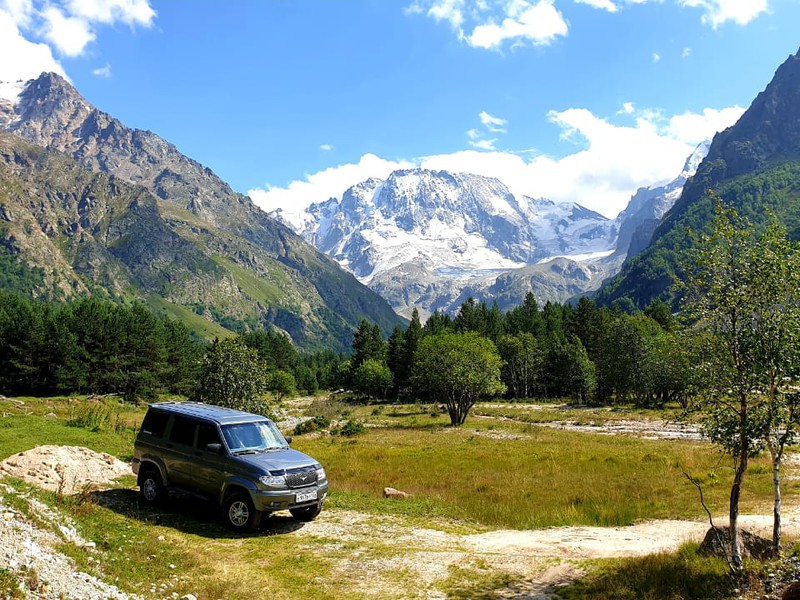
pixel 98 535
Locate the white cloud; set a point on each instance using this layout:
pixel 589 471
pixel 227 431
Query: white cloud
pixel 627 109
pixel 70 35
pixel 489 24
pixel 611 163
pixel 686 53
pixel 540 24
pixel 477 138
pixel 693 128
pixel 20 11
pixel 30 59
pixel 67 26
pixel 451 11
pixel 603 4
pixel 104 72
pixel 718 12
pixel 492 123
pixel 331 182
pixel 326 147
pixel 484 144
pixel 130 12
pixel 656 57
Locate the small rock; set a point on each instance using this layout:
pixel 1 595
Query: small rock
pixel 171 566
pixel 161 538
pixel 188 597
pixel 393 493
pixel 51 415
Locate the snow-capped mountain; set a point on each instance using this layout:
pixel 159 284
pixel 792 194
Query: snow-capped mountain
pixel 639 219
pixel 460 224
pixel 429 239
pixel 420 237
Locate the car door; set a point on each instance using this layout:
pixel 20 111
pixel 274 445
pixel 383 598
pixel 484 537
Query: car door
pixel 179 455
pixel 209 472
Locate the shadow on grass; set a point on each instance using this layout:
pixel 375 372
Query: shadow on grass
pixel 188 514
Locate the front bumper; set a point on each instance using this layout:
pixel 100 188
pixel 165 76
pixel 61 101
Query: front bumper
pixel 270 501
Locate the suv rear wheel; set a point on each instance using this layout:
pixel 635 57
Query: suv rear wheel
pixel 151 490
pixel 307 513
pixel 239 512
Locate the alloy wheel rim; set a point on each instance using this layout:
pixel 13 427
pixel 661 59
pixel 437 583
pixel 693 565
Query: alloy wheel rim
pixel 150 489
pixel 238 513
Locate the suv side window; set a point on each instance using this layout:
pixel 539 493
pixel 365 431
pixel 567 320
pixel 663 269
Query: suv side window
pixel 207 434
pixel 182 431
pixel 155 422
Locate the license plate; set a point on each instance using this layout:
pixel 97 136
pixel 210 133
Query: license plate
pixel 306 497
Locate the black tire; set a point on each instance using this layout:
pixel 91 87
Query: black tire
pixel 151 488
pixel 239 512
pixel 307 513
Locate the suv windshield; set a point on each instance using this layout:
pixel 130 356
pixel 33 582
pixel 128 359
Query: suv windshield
pixel 259 436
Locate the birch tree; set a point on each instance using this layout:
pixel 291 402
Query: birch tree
pixel 742 297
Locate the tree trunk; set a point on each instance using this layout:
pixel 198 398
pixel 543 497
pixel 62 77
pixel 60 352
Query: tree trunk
pixel 736 550
pixel 776 522
pixel 736 488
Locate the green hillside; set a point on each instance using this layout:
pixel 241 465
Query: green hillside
pixel 754 166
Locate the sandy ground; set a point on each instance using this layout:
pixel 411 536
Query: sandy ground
pixel 538 561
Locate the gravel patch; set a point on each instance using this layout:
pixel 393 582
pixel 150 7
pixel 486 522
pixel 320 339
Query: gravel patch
pixel 68 468
pixel 28 551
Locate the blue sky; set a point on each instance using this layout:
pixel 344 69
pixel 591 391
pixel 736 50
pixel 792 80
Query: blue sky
pixel 292 101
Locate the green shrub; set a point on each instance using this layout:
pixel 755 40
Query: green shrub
pixel 351 428
pixel 314 424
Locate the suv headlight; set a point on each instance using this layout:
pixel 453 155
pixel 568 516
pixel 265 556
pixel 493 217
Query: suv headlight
pixel 273 480
pixel 321 474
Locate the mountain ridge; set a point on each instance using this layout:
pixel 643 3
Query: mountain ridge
pixel 199 207
pixel 752 165
pixel 421 238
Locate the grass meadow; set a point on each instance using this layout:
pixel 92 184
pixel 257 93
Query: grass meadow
pixel 500 470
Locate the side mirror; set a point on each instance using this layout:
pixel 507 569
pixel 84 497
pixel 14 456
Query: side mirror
pixel 214 448
pixel 289 439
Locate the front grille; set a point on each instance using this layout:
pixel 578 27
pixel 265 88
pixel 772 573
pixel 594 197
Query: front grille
pixel 296 478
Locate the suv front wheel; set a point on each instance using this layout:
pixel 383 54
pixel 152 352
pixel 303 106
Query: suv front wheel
pixel 239 512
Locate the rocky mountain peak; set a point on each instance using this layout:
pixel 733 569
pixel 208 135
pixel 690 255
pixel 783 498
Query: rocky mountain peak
pixel 421 237
pixel 221 234
pixel 770 128
pixel 50 111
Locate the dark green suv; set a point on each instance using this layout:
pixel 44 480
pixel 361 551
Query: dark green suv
pixel 239 460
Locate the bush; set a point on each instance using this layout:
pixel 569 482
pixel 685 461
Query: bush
pixel 351 428
pixel 314 424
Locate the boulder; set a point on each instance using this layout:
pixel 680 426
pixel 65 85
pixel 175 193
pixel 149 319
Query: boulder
pixel 717 542
pixel 792 592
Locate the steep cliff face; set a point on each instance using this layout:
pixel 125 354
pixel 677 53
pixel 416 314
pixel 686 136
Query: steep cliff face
pixel 649 205
pixel 274 277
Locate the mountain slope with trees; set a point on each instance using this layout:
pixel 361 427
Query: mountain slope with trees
pixel 251 271
pixel 752 166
